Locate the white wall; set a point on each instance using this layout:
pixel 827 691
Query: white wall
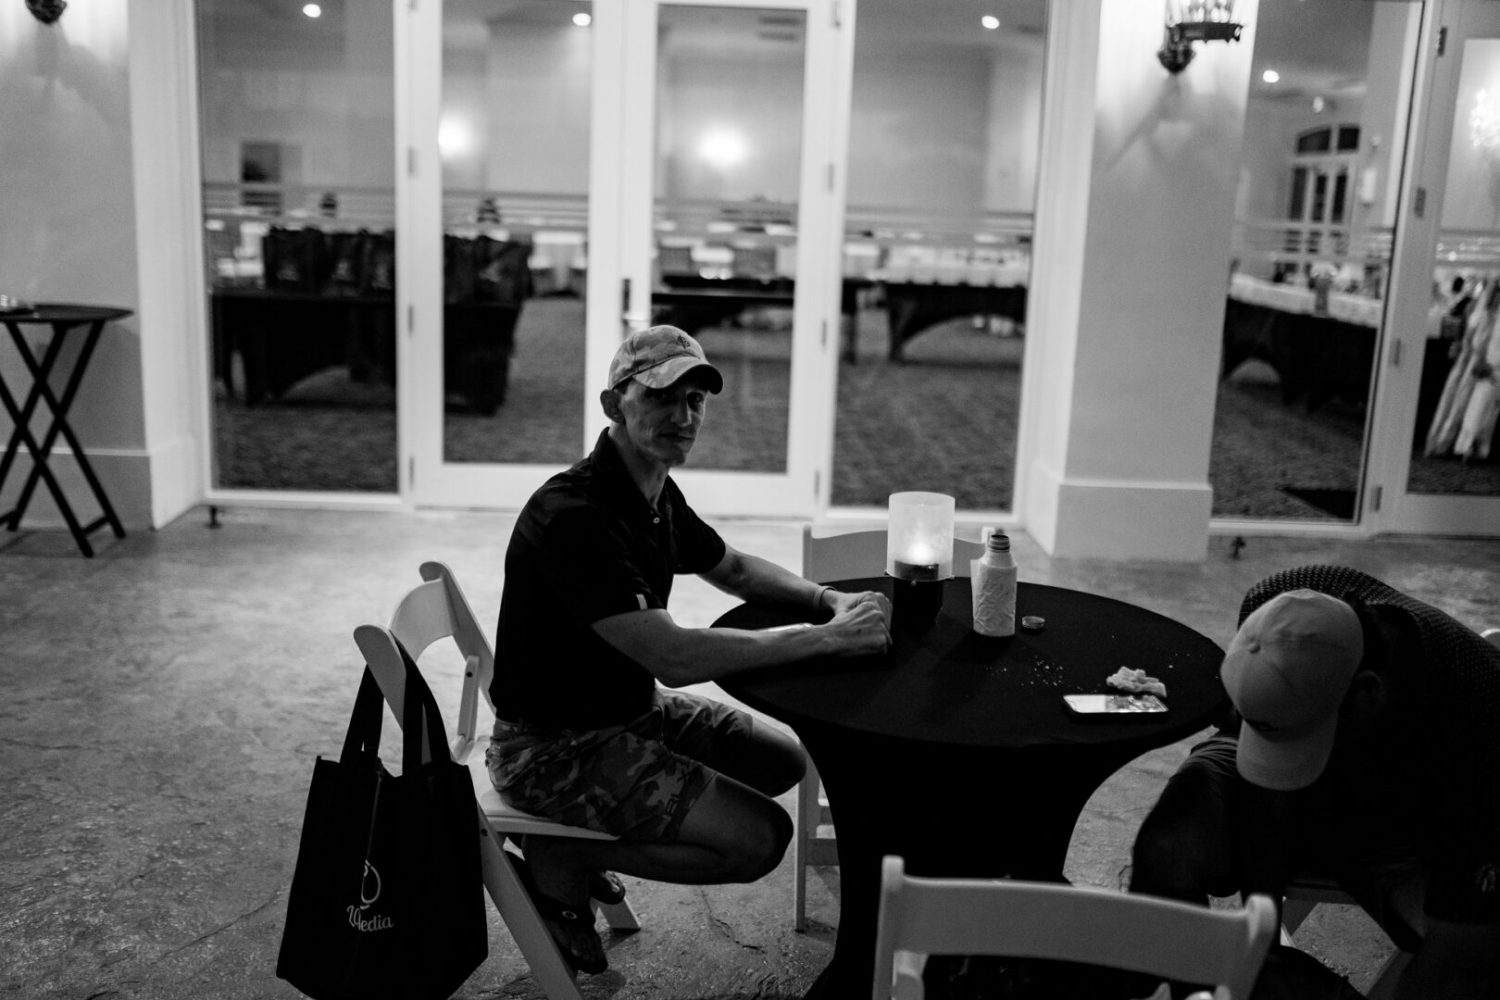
pixel 69 229
pixel 537 99
pixel 1014 129
pixel 321 87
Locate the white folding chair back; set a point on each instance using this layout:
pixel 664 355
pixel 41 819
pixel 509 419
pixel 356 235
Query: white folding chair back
pixel 844 556
pixel 437 609
pixel 1119 930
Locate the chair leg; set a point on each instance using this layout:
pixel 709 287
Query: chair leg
pixel 809 812
pixel 1384 986
pixel 619 916
pixel 1293 912
pixel 551 970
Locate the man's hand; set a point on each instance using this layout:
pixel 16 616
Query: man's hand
pixel 861 624
pixel 841 602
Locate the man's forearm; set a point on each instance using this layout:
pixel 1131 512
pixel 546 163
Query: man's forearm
pixel 760 581
pixel 679 656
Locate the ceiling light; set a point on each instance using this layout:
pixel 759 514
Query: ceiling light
pixel 1319 104
pixel 583 19
pixel 312 10
pixel 723 148
pixel 990 21
pixel 1270 76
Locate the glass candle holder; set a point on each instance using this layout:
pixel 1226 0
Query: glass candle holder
pixel 919 555
pixel 919 542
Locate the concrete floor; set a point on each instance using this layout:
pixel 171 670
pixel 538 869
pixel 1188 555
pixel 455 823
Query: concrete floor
pixel 166 700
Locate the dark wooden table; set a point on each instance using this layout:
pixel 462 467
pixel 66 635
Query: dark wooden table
pixel 693 302
pixel 957 752
pixel 65 321
pixel 912 307
pixel 284 336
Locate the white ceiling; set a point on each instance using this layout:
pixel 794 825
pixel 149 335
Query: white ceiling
pixel 1318 46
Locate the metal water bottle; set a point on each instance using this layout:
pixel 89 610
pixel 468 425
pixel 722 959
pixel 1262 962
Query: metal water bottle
pixel 994 587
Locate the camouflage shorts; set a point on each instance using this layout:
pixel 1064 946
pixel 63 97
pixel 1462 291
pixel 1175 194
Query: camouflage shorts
pixel 637 781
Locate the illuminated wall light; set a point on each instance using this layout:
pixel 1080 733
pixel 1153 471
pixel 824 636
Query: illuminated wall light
pixel 1318 105
pixel 990 21
pixel 1484 123
pixel 1270 76
pixel 455 138
pixel 722 148
pixel 312 10
pixel 583 19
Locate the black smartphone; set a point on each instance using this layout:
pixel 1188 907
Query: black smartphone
pixel 1114 704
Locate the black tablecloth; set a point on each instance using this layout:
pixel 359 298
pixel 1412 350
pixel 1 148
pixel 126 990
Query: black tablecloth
pixel 956 751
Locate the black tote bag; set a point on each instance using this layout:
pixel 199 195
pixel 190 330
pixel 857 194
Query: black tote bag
pixel 387 898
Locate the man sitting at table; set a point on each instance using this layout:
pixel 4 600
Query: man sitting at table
pixel 584 735
pixel 1368 750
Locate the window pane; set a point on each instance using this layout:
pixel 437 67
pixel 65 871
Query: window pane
pixel 298 195
pixel 1304 306
pixel 1453 446
pixel 943 150
pixel 729 109
pixel 513 134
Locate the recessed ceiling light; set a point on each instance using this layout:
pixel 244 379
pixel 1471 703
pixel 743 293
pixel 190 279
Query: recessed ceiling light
pixel 1270 76
pixel 990 21
pixel 312 10
pixel 583 19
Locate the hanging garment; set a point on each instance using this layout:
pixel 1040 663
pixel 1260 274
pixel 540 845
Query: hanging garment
pixel 1478 427
pixel 1462 377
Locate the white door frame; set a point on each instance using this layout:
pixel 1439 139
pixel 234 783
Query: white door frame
pixel 620 240
pixel 1389 506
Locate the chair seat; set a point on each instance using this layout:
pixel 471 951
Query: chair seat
pixel 510 820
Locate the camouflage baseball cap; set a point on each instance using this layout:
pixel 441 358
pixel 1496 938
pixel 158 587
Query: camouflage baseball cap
pixel 658 357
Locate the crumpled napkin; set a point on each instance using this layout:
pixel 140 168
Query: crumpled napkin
pixel 1136 682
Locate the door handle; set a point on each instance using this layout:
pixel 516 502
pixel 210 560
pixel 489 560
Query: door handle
pixel 631 320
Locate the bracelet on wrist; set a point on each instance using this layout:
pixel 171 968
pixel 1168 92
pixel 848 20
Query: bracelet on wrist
pixel 818 600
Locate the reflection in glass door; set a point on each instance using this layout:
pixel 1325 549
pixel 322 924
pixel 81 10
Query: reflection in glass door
pixel 726 200
pixel 943 147
pixel 1453 480
pixel 513 137
pixel 299 228
pixel 1315 218
pixel 727 165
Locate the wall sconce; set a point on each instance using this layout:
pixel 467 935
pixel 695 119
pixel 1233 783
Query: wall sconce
pixel 47 11
pixel 1190 21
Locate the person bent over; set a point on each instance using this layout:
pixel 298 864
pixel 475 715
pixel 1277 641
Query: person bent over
pixel 1366 749
pixel 590 729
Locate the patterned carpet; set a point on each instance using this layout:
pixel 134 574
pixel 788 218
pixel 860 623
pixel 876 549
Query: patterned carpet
pixel 944 421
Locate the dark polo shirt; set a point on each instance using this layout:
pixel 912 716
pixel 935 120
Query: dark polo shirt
pixel 587 546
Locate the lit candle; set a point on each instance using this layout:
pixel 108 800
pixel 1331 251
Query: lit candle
pixel 918 562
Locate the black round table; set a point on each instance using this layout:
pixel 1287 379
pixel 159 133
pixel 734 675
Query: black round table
pixel 956 750
pixel 63 319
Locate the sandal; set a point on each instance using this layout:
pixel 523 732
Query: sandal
pixel 606 887
pixel 572 930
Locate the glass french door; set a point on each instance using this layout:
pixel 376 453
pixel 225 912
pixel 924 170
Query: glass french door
pixel 578 170
pixel 1441 462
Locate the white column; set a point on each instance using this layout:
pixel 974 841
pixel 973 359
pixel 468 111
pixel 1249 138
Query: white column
pixel 1132 247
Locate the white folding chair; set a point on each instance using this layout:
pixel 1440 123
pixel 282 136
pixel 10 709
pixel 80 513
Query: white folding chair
pixel 1119 930
pixel 844 556
pixel 434 610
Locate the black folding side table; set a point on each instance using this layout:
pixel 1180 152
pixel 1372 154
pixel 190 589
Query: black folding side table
pixel 64 320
